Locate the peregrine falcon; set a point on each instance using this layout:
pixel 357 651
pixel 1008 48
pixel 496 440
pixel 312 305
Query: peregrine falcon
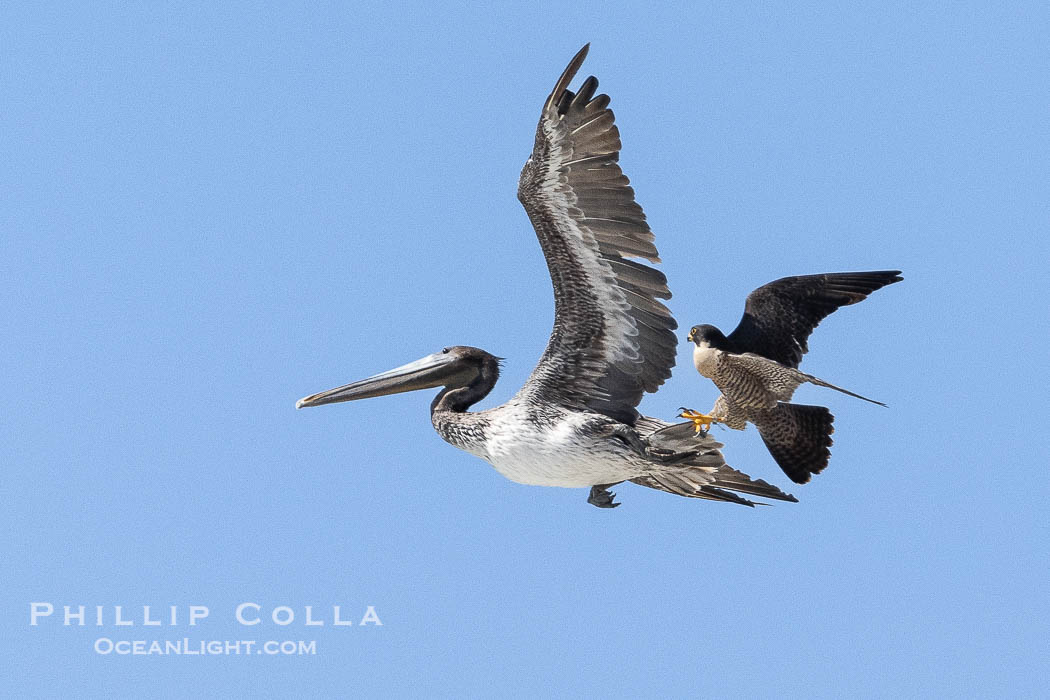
pixel 756 366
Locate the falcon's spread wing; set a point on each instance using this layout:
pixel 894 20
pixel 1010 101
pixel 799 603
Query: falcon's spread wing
pixel 779 316
pixel 612 339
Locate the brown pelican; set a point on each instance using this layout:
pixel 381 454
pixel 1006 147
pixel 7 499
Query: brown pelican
pixel 574 423
pixel 756 366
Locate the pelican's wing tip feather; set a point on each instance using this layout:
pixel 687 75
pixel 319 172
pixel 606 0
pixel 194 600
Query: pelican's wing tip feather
pixel 566 76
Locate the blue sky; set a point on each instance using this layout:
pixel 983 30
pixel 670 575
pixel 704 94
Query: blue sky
pixel 210 212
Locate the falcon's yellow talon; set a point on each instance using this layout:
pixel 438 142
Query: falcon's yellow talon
pixel 701 421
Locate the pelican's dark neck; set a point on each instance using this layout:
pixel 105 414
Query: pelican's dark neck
pixel 459 399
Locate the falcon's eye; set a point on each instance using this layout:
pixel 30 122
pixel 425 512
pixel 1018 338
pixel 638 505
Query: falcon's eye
pixel 445 351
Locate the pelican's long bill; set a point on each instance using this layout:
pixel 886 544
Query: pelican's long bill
pixel 439 369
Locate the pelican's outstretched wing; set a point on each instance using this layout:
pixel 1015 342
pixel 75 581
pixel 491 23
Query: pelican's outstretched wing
pixel 704 476
pixel 779 316
pixel 612 339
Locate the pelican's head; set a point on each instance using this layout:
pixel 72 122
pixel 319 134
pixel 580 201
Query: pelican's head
pixel 454 367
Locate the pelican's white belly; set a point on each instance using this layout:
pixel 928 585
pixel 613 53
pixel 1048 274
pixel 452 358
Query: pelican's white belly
pixel 558 455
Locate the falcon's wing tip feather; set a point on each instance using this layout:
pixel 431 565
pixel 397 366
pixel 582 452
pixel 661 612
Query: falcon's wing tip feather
pixel 890 275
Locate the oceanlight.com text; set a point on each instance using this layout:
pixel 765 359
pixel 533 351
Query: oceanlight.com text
pixel 203 647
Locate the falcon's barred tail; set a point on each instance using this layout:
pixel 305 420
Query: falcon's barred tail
pixel 798 437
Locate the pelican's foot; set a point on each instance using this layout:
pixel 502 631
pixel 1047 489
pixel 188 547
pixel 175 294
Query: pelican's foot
pixel 602 497
pixel 701 421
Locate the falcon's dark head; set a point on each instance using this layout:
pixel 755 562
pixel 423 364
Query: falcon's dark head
pixel 705 334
